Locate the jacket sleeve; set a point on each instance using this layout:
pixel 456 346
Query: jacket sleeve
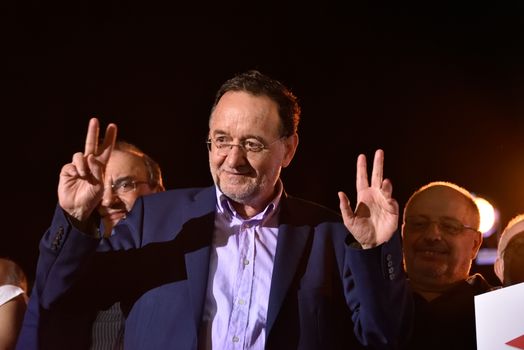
pixel 63 250
pixel 378 294
pixel 86 272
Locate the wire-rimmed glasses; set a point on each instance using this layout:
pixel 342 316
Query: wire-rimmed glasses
pixel 126 186
pixel 223 147
pixel 445 225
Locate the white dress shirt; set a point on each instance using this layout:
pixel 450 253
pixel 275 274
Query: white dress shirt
pixel 240 269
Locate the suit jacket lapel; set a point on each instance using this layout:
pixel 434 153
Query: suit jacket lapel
pixel 291 243
pixel 197 237
pixel 197 265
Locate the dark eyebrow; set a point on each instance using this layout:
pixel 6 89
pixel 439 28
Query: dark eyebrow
pixel 440 218
pixel 417 217
pixel 450 218
pixel 122 180
pixel 219 132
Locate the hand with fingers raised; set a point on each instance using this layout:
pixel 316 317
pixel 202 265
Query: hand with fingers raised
pixel 376 215
pixel 81 183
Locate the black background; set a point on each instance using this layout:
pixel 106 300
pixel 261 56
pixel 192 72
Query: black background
pixel 439 88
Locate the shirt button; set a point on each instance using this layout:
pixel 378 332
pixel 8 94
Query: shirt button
pixel 246 261
pixel 241 301
pixel 235 339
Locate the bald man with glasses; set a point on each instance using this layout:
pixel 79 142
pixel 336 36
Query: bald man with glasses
pixel 441 239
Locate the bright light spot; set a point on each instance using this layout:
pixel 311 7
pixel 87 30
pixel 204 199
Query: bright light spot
pixel 487 214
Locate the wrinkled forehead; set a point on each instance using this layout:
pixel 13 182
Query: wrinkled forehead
pixel 124 164
pixel 439 201
pixel 239 113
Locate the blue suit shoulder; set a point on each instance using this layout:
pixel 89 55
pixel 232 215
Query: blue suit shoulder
pixel 177 202
pixel 179 195
pixel 299 211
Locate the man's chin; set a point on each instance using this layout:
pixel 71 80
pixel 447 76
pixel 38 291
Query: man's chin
pixel 113 219
pixel 432 272
pixel 238 192
pixel 236 196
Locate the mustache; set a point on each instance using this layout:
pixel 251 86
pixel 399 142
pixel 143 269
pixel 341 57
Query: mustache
pixel 432 246
pixel 113 208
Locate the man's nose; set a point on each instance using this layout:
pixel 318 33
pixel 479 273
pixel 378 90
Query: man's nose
pixel 109 197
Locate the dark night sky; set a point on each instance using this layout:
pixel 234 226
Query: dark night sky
pixel 439 89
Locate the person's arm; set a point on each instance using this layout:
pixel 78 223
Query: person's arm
pixel 378 294
pixel 72 237
pixel 376 287
pixel 64 249
pixel 11 317
pixel 74 266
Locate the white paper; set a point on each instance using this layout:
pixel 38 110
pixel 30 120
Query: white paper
pixel 499 318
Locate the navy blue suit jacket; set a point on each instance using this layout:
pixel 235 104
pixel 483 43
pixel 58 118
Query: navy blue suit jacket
pixel 325 293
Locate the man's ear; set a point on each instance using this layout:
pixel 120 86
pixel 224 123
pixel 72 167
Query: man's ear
pixel 291 144
pixel 477 244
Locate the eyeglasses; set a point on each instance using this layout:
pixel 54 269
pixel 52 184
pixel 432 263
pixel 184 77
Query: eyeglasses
pixel 125 186
pixel 249 146
pixel 448 226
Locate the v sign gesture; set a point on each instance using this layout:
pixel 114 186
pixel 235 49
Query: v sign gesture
pixel 81 184
pixel 376 215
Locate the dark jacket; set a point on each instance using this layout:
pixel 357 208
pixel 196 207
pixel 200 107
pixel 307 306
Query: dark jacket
pixel 324 293
pixel 448 322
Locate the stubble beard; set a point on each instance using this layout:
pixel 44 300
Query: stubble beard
pixel 239 191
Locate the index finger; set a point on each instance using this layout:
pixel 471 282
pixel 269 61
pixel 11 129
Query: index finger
pixel 92 137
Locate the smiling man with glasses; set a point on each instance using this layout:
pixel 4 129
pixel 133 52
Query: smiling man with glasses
pixel 441 240
pixel 129 174
pixel 240 264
